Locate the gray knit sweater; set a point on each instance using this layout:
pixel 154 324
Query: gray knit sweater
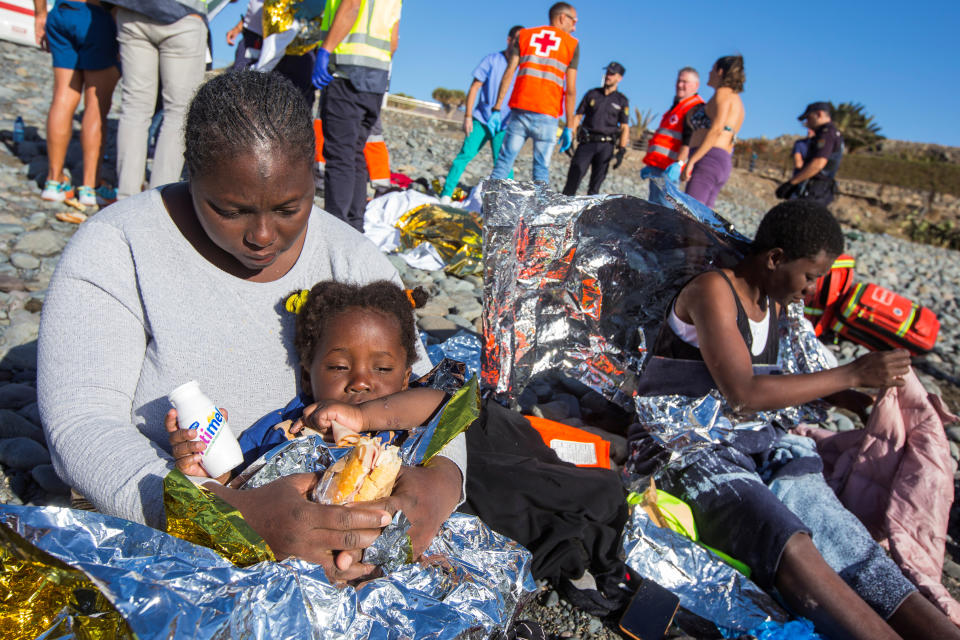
pixel 133 311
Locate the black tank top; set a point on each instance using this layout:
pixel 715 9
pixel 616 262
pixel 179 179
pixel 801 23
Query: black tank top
pixel 669 344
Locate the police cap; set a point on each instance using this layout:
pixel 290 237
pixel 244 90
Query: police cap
pixel 816 106
pixel 615 67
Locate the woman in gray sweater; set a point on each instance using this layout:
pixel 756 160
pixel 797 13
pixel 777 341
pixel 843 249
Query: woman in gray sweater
pixel 186 282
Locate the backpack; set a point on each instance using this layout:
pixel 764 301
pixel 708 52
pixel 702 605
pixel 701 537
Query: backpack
pixel 880 319
pixel 820 307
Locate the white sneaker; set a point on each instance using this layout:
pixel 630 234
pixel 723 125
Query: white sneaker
pixel 87 196
pixel 445 199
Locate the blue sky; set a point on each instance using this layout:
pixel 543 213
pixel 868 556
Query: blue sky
pixel 898 59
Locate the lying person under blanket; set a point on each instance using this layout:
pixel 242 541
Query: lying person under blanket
pixel 761 496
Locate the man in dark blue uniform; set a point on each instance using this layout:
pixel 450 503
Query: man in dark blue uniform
pixel 815 181
pixel 603 116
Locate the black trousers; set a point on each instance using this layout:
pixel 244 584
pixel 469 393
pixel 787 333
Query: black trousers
pixel 597 156
pixel 347 116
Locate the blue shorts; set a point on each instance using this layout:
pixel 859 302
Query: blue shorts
pixel 82 36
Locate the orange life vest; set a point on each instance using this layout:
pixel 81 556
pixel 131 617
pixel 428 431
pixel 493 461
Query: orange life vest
pixel 664 146
pixel 374 152
pixel 545 54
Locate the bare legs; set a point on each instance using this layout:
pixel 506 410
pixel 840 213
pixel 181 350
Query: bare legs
pixel 814 590
pixel 67 84
pixel 97 97
pixel 917 618
pixel 97 90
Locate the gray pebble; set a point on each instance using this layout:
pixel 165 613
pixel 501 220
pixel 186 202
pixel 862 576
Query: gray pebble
pixel 15 396
pixel 594 625
pixel 46 476
pixel 32 413
pixel 951 568
pixel 43 242
pixel 24 261
pixel 22 453
pixel 13 425
pixel 7 495
pixel 953 433
pixel 843 422
pixel 553 599
pixel 460 321
pixel 433 323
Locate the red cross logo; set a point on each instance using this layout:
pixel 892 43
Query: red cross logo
pixel 544 42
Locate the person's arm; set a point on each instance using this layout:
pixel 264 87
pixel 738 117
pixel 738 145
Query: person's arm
pixel 343 21
pixel 625 125
pixel 809 170
pixel 85 386
pixel 507 79
pixel 797 160
pixel 40 23
pixel 712 309
pixel 234 33
pixel 570 97
pixel 401 410
pixel 394 37
pixel 724 108
pixel 683 153
pixel 468 107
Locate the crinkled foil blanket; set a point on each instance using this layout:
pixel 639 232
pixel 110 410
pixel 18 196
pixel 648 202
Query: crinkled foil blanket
pixel 455 233
pixel 303 15
pixel 580 284
pixel 470 584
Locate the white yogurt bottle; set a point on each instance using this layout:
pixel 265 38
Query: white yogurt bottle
pixel 196 411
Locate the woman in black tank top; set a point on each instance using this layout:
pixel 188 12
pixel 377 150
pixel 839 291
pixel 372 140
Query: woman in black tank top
pixel 796 243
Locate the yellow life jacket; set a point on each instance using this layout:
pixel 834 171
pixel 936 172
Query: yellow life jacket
pixel 368 43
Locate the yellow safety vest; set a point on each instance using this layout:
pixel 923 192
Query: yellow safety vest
pixel 368 43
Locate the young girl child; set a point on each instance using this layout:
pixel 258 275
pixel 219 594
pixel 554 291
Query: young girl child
pixel 356 346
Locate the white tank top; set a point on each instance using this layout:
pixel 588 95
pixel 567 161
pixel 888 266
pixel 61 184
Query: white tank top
pixel 688 333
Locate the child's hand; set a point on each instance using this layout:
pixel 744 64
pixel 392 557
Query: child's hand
pixel 321 416
pixel 186 452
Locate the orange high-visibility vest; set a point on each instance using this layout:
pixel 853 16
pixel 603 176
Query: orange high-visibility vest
pixel 374 152
pixel 664 146
pixel 545 54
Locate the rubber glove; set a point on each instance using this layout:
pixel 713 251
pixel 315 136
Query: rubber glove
pixel 649 172
pixel 786 190
pixel 494 122
pixel 566 139
pixel 321 75
pixel 621 151
pixel 673 172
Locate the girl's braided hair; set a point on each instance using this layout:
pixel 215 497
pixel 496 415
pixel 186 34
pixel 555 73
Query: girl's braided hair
pixel 327 299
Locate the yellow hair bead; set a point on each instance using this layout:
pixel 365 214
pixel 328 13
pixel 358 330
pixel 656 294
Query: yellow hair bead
pixel 296 301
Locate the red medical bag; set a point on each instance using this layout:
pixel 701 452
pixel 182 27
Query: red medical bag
pixel 880 319
pixel 820 306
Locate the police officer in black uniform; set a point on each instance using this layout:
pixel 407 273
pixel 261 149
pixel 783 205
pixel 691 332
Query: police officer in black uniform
pixel 604 115
pixel 815 181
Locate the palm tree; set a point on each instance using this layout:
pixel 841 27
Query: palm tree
pixel 450 98
pixel 858 129
pixel 642 130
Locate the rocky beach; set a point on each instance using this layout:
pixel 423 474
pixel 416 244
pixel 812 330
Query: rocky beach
pixel 31 239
